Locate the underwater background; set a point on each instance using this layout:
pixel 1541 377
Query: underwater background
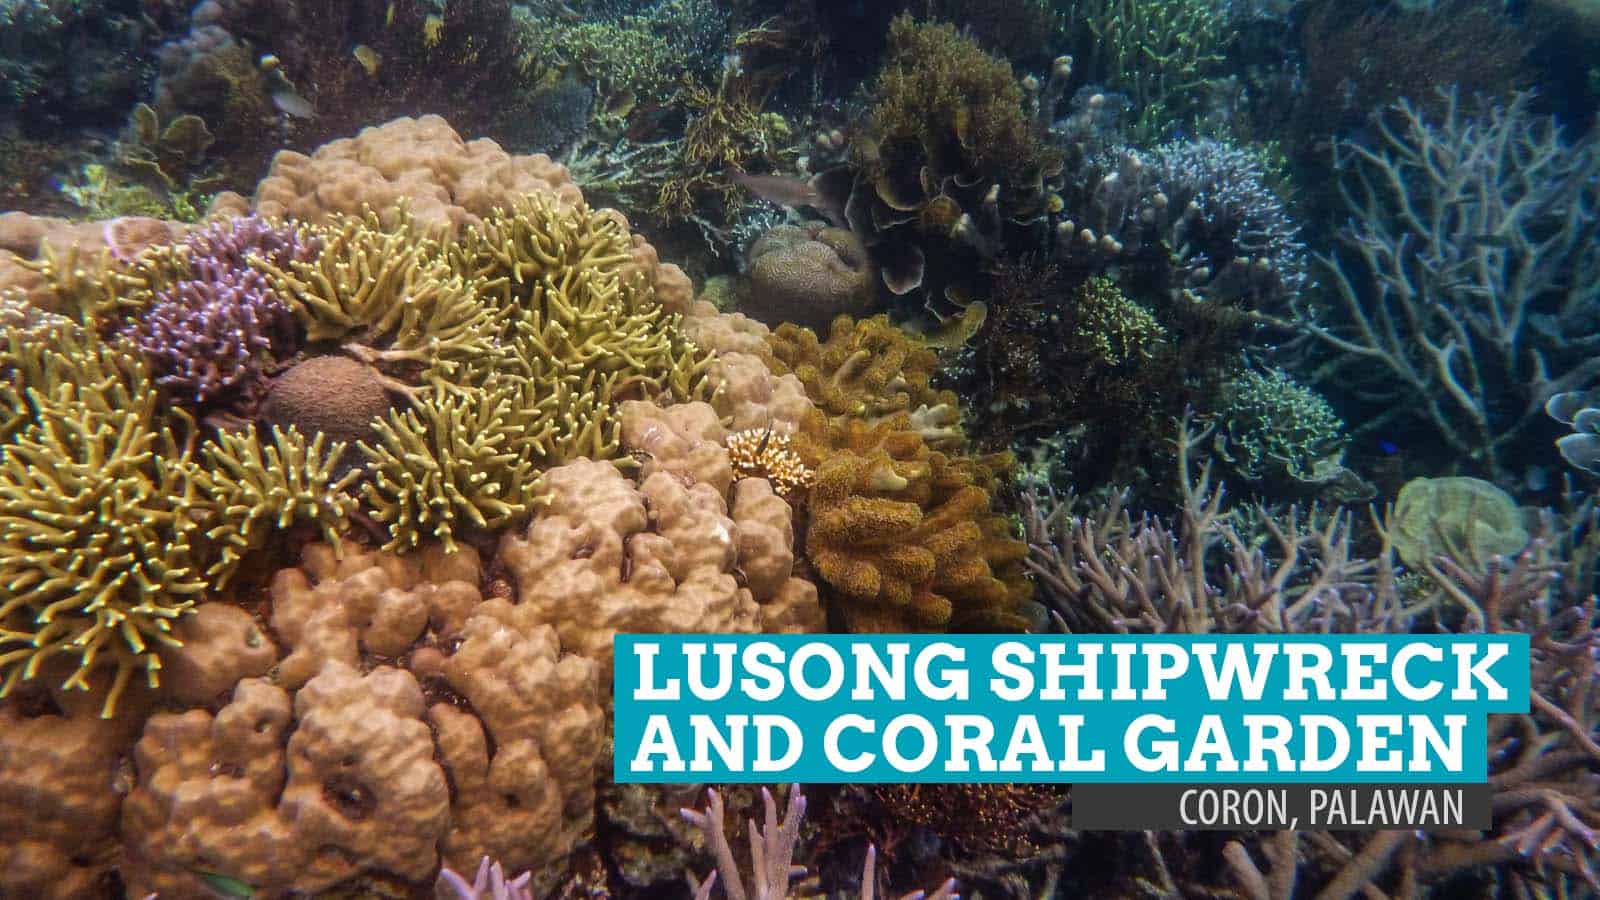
pixel 367 366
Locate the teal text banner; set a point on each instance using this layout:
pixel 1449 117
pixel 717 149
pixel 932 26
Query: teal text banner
pixel 1362 709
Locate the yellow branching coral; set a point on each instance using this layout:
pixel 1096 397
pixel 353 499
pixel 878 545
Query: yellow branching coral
pixel 389 291
pixel 97 532
pixel 764 453
pixel 257 489
pixel 579 323
pixel 902 534
pixel 869 369
pixel 448 462
pixel 905 536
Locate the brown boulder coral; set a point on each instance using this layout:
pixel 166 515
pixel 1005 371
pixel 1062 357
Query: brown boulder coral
pixel 411 722
pixel 449 182
pixel 605 555
pixel 808 275
pixel 329 395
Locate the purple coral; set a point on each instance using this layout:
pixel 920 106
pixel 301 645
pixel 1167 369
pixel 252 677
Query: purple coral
pixel 208 335
pixel 491 884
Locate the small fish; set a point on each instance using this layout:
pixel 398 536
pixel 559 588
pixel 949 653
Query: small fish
pixel 786 190
pixel 432 28
pixel 1389 448
pixel 369 58
pixel 292 103
pixel 224 886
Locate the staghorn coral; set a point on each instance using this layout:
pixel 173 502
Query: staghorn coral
pixel 98 548
pixel 259 489
pixel 772 849
pixel 214 332
pixel 1462 280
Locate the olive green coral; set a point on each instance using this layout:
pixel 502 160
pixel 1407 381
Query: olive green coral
pixel 958 106
pixel 579 322
pixel 388 290
pixel 256 489
pixel 1110 327
pixel 97 533
pixel 1273 427
pixel 452 458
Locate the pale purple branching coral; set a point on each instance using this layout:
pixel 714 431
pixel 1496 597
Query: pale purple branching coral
pixel 490 884
pixel 212 333
pixel 772 853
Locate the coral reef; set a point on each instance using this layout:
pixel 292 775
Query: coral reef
pixel 1460 275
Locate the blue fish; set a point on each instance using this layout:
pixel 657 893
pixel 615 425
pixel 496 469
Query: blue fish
pixel 1389 448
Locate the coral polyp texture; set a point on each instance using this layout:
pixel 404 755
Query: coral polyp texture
pixel 218 328
pixel 98 550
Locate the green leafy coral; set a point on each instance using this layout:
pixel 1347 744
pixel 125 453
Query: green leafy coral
pixel 1160 52
pixel 98 541
pixel 453 457
pixel 579 321
pixel 389 291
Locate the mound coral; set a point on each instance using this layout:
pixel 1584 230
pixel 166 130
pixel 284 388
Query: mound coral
pixel 345 750
pixel 446 182
pixel 807 275
pixel 604 555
